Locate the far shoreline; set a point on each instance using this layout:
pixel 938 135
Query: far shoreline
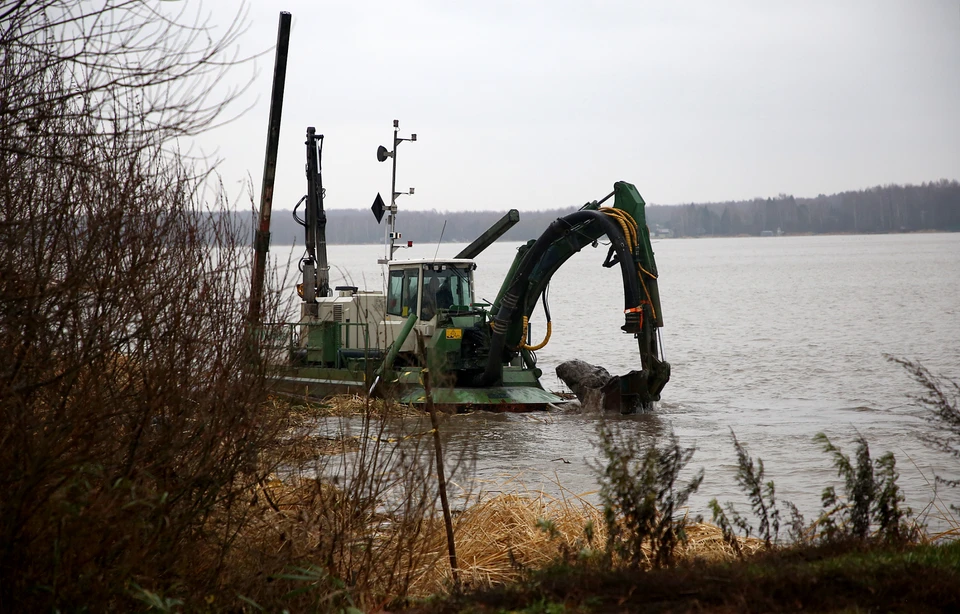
pixel 656 238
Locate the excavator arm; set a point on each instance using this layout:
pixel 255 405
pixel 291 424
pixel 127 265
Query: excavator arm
pixel 624 225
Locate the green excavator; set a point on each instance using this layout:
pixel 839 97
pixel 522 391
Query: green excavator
pixel 427 321
pixel 481 353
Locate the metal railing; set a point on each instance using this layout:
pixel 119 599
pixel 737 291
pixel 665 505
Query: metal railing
pixel 289 343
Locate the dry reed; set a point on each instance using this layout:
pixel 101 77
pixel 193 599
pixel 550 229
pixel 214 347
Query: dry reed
pixel 498 536
pixel 302 410
pixel 501 537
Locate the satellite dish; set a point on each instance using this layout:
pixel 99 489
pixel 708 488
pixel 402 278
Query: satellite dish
pixel 383 154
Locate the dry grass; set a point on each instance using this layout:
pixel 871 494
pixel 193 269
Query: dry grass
pixel 300 449
pixel 938 512
pixel 498 538
pixel 501 537
pixel 341 520
pixel 299 411
pixel 303 523
pixel 944 516
pixel 300 446
pixel 705 542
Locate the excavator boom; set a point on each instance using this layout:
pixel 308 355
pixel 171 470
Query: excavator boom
pixel 624 224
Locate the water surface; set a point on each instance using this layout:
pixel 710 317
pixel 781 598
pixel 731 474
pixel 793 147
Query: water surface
pixel 776 339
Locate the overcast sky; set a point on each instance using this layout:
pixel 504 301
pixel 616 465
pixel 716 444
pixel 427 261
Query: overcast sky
pixel 545 104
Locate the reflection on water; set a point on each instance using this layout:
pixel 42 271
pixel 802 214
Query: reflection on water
pixel 775 338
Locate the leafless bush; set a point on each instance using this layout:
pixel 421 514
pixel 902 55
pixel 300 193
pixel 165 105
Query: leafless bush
pixel 129 387
pixel 359 528
pixel 133 418
pixel 102 64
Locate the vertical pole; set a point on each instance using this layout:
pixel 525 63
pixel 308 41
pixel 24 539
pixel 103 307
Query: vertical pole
pixel 261 243
pixel 441 478
pixel 392 219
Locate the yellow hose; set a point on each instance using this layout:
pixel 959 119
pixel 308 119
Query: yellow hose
pixel 618 215
pixel 635 234
pixel 540 345
pixel 632 236
pixel 627 224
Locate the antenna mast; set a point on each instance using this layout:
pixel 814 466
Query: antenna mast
pixel 390 234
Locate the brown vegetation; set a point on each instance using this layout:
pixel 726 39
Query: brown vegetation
pixel 129 387
pixel 349 547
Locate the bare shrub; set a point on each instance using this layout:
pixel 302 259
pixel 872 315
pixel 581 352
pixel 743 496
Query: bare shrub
pixel 129 386
pixel 100 65
pixel 359 528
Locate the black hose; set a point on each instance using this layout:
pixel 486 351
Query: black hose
pixel 557 229
pixel 295 218
pixel 546 304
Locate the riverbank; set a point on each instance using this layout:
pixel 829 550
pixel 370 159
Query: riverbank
pixel 526 551
pixel 839 578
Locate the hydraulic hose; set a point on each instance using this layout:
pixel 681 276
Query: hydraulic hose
pixel 542 344
pixel 526 323
pixel 631 231
pixel 626 222
pixel 557 229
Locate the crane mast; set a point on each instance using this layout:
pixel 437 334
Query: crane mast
pixel 316 270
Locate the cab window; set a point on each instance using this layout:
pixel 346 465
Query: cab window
pixel 411 283
pixel 444 287
pixel 460 287
pixel 431 284
pixel 395 292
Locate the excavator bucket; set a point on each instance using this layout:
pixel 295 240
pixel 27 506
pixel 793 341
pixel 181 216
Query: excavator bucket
pixel 637 390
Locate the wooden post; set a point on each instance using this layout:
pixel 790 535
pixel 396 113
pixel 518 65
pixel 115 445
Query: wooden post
pixel 441 480
pixel 261 242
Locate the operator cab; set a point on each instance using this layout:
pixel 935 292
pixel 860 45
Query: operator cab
pixel 425 287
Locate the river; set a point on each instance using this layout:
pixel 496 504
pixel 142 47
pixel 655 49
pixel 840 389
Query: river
pixel 775 339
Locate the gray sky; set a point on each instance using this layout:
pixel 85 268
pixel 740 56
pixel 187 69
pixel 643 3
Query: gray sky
pixel 545 104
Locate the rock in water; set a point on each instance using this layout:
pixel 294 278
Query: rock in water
pixel 579 375
pixel 586 381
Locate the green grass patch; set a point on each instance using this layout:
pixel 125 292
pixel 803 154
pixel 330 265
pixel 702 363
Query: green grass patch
pixel 829 578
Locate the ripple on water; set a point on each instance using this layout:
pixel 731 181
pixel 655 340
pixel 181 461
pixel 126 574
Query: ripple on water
pixel 776 339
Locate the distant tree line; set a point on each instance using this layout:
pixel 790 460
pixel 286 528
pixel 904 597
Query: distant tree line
pixel 881 209
pixel 358 226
